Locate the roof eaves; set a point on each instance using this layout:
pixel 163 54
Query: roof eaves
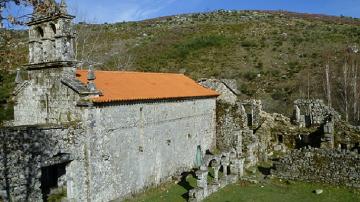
pixel 97 100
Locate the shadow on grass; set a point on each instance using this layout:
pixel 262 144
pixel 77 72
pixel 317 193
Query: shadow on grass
pixel 186 184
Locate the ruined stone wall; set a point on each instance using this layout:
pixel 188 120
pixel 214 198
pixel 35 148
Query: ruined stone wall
pixel 320 165
pixel 313 112
pixel 25 150
pixel 227 89
pixel 233 118
pixel 44 99
pixel 135 146
pixel 228 120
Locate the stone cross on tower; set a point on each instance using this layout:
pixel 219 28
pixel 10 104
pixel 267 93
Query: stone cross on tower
pixel 51 36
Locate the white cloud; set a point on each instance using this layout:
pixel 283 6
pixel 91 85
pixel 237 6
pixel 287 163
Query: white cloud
pixel 132 10
pixel 117 10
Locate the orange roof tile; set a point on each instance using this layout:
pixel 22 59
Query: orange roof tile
pixel 134 86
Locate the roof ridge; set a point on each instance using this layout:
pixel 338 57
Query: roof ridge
pixel 114 71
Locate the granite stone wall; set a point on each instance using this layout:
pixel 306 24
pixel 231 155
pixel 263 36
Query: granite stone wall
pixel 313 112
pixel 135 146
pixel 43 99
pixel 24 151
pixel 229 119
pixel 320 165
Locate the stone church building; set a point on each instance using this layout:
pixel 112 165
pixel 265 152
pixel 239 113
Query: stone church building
pixel 101 134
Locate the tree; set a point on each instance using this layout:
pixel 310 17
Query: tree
pixel 40 6
pixel 5 3
pixel 328 84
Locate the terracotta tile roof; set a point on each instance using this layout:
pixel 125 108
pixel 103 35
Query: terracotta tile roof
pixel 136 86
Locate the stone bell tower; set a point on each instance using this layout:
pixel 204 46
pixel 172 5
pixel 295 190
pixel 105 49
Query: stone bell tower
pixel 51 36
pixel 42 97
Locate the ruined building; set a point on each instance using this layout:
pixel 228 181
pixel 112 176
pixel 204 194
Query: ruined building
pixel 102 135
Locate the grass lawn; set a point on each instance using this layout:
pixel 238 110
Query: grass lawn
pixel 276 191
pixel 272 191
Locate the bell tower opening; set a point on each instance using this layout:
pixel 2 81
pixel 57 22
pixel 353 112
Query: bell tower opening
pixel 52 38
pixel 53 28
pixel 39 32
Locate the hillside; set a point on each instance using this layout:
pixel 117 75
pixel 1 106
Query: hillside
pixel 274 56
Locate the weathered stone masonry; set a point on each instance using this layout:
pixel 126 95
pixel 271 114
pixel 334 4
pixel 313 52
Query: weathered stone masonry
pixel 105 143
pixel 320 165
pixel 134 146
pixel 27 151
pixel 96 151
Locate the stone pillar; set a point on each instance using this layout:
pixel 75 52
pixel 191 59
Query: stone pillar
pixel 244 117
pixel 59 49
pixel 327 141
pixel 202 180
pixel 234 167
pixel 225 170
pixel 48 50
pixel 233 163
pixel 241 164
pixel 302 123
pixel 238 141
pixel 37 54
pixel 297 114
pixel 31 51
pixel 225 162
pixel 216 173
pixel 311 114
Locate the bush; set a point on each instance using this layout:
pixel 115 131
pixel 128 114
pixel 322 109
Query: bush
pixel 194 44
pixel 6 88
pixel 247 90
pixel 259 65
pixel 248 44
pixel 250 75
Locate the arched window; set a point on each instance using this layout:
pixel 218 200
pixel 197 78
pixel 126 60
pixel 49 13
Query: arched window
pixel 53 28
pixel 39 32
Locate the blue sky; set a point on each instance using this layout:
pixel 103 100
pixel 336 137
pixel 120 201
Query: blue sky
pixel 99 11
pixel 129 10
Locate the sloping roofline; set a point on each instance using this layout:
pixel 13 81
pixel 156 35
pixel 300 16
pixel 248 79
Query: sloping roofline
pixel 123 86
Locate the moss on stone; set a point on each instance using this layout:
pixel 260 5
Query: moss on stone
pixel 58 195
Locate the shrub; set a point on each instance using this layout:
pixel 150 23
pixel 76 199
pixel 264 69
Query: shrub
pixel 6 88
pixel 197 43
pixel 250 75
pixel 275 72
pixel 259 65
pixel 248 44
pixel 247 90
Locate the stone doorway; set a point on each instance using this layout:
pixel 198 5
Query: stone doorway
pixel 52 177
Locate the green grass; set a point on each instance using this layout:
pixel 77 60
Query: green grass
pixel 275 191
pixel 278 192
pixel 58 195
pixel 167 192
